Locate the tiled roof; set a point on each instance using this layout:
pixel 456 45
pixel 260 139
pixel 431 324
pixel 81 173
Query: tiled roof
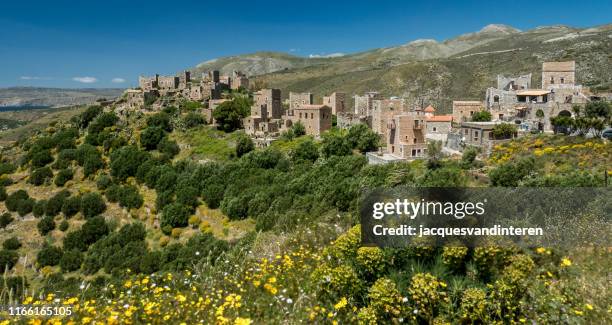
pixel 429 109
pixel 440 118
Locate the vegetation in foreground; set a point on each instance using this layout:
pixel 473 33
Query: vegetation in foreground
pixel 120 233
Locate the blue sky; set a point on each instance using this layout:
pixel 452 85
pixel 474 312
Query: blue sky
pixel 93 43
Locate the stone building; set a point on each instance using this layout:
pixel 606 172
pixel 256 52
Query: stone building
pixel 345 120
pixel 239 80
pixel 383 110
pixel 148 83
pixel 405 136
pixel 558 74
pixel 337 102
pixel 315 118
pixel 480 134
pixel 168 82
pixel 515 100
pixel 266 113
pixel 363 104
pixel 438 127
pixel 136 98
pixel 184 79
pixel 463 110
pixel 212 76
pixel 296 100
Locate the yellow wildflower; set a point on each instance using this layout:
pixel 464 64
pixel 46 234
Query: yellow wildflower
pixel 242 321
pixel 566 262
pixel 341 304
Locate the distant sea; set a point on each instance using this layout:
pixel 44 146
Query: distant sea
pixel 21 108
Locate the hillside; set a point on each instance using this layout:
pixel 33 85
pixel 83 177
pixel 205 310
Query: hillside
pixel 437 72
pixel 54 97
pixel 154 216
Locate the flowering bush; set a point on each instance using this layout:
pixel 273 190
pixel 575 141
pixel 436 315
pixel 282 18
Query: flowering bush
pixel 385 299
pixel 371 260
pixel 427 292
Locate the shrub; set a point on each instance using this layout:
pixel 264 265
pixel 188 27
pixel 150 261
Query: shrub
pixel 74 240
pixel 3 194
pixel 161 120
pixel 71 260
pixel 427 292
pixel 8 259
pixel 40 176
pixel 151 136
pixel 13 201
pixel 188 196
pixel 362 138
pixel 305 151
pixel 63 176
pixel 12 243
pixel 49 256
pixel 56 202
pixel 46 225
pixel 385 299
pixel 71 206
pixel 92 204
pixel 503 131
pixel 193 119
pixel 39 208
pixel 371 260
pixel 64 225
pixel 88 115
pixel 94 229
pixel 482 116
pixel 6 168
pixel 5 219
pixel 335 144
pixel 244 145
pixel 175 215
pixel 41 158
pixel 337 282
pixel 102 121
pixel 127 196
pixel 125 162
pixel 194 221
pixel 473 306
pixel 25 207
pixel 93 162
pixel 213 195
pixel 454 256
pixel 168 147
pixel 103 182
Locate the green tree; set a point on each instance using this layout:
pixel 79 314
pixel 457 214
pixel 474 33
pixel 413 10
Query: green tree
pixel 482 116
pixel 71 260
pixel 229 115
pixel 335 144
pixel 46 225
pixel 244 145
pixel 192 120
pixel 362 138
pixel 305 151
pixel 11 244
pixel 40 176
pixel 63 176
pixel 504 131
pixel 8 259
pixel 161 120
pixel 5 219
pixel 151 136
pixel 298 129
pixel 92 204
pixel 434 152
pixel 49 256
pixel 174 215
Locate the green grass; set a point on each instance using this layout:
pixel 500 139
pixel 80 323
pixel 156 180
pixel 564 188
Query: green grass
pixel 206 143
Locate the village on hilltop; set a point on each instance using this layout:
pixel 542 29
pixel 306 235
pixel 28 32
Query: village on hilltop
pixel 510 109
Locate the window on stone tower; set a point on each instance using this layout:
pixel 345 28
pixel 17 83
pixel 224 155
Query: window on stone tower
pixel 496 99
pixel 552 80
pixel 562 80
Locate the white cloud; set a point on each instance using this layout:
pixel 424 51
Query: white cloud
pixel 118 80
pixel 34 78
pixel 85 80
pixel 294 50
pixel 332 55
